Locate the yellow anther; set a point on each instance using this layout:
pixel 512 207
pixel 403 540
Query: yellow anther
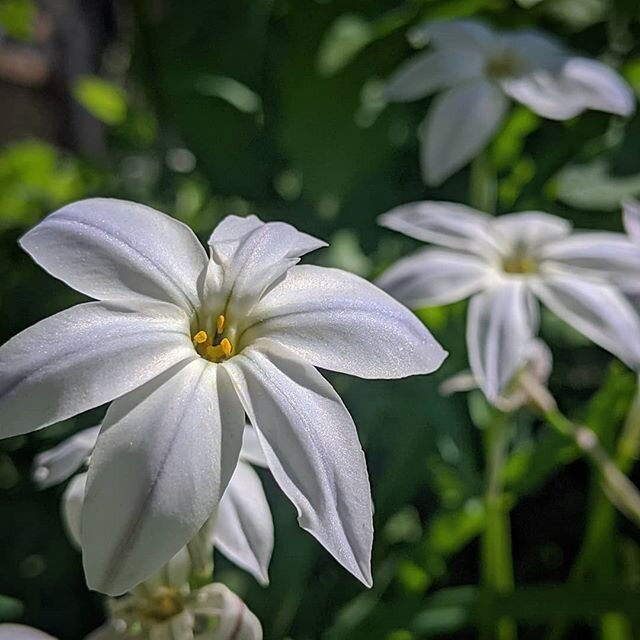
pixel 226 347
pixel 220 323
pixel 200 337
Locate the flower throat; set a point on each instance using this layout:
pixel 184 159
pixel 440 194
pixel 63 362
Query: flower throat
pixel 215 348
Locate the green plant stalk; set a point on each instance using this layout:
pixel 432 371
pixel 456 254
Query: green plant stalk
pixel 496 558
pixel 483 186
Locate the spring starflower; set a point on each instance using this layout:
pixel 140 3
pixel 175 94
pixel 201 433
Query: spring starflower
pixel 479 70
pixel 184 345
pixel 505 264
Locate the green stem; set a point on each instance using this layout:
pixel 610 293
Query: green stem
pixel 482 184
pixel 496 560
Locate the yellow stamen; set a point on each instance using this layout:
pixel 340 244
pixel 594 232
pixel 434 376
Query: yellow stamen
pixel 200 337
pixel 220 323
pixel 226 347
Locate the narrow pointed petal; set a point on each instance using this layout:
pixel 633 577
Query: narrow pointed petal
pixel 313 451
pixel 448 224
pixel 531 229
pixel 470 36
pixel 72 502
pixel 251 448
pixel 631 218
pixel 56 465
pixel 426 73
pixel 168 449
pixel 460 123
pixel 434 277
pixel 112 249
pixel 500 326
pixel 338 321
pixel 595 309
pixel 85 356
pixel 244 527
pixel 599 254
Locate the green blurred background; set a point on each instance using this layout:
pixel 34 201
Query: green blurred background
pixel 273 107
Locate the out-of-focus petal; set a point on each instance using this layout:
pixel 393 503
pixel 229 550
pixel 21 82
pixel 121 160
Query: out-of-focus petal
pixel 470 36
pixel 460 123
pixel 164 456
pixel 500 325
pixel 20 632
pixel 313 451
pixel 338 321
pixel 530 229
pixel 631 217
pixel 244 527
pixel 426 73
pixel 85 356
pixel 72 502
pixel 432 277
pixel 112 249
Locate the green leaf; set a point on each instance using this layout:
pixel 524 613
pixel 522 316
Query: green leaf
pixel 10 609
pixel 345 38
pixel 102 99
pixel 17 18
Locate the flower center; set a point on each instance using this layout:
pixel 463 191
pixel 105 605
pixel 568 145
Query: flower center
pixel 502 65
pixel 162 604
pixel 215 348
pixel 519 262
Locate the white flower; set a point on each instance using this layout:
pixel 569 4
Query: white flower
pixel 504 264
pixel 479 70
pixel 242 528
pixel 20 632
pixel 185 345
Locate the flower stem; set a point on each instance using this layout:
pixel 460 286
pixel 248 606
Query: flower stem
pixel 482 183
pixel 496 561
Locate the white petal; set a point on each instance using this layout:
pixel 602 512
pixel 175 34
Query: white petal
pixel 313 451
pixel 433 277
pixel 174 573
pixel 85 356
pixel 500 325
pixel 460 122
pixel 530 229
pixel 72 502
pixel 595 309
pixel 461 35
pixel 244 527
pixel 602 87
pixel 602 254
pixel 164 456
pixel 631 217
pixel 251 448
pixel 57 464
pixel 426 73
pixel 338 321
pixel 449 224
pixel 20 632
pixel 251 257
pixel 112 249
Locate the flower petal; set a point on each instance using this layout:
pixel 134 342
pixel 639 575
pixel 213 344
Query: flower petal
pixel 500 325
pixel 595 309
pixel 530 229
pixel 251 448
pixel 111 249
pixel 56 465
pixel 313 451
pixel 466 35
pixel 244 527
pixel 170 447
pixel 631 217
pixel 72 502
pixel 460 122
pixel 600 254
pixel 85 356
pixel 20 632
pixel 433 277
pixel 338 321
pixel 448 224
pixel 426 73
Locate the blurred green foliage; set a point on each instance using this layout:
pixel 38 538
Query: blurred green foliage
pixel 274 107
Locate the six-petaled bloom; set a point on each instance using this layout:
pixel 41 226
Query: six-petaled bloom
pixel 184 345
pixel 504 264
pixel 479 70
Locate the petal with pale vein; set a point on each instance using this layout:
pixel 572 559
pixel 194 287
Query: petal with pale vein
pixel 111 249
pixel 341 322
pixel 313 451
pixel 164 456
pixel 244 527
pixel 85 356
pixel 530 229
pixel 500 325
pixel 432 277
pixel 461 35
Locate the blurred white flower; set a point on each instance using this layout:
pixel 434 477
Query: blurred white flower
pixel 164 612
pixel 242 528
pixel 504 264
pixel 479 70
pixel 20 632
pixel 631 217
pixel 185 345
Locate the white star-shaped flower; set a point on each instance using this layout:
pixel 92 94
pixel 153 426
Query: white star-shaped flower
pixel 478 70
pixel 504 264
pixel 184 345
